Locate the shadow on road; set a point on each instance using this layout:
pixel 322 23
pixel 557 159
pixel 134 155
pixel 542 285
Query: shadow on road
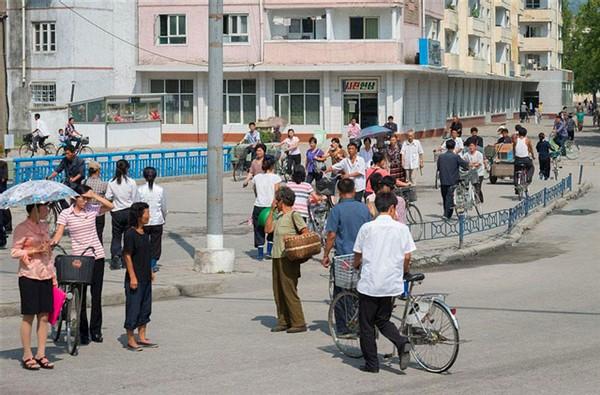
pixel 266 320
pixel 181 242
pixel 320 325
pixel 17 353
pixel 385 364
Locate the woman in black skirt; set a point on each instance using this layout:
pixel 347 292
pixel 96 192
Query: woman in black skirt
pixel 31 246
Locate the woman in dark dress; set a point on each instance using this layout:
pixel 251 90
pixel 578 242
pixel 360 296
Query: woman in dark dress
pixel 394 158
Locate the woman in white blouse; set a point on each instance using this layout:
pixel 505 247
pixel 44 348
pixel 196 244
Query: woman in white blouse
pixel 122 191
pixel 293 151
pixel 154 196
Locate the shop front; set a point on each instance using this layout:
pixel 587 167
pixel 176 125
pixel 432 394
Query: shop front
pixel 360 101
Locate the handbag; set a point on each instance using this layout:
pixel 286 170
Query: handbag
pixel 58 298
pixel 299 248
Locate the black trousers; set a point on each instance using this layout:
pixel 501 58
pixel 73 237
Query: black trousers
pixel 478 190
pixel 310 177
pixel 528 164
pixel 448 199
pixel 545 167
pixel 138 305
pixel 2 229
pixel 376 312
pixel 95 325
pixel 358 196
pixel 100 222
pixel 155 232
pixel 120 223
pixel 571 134
pixel 292 161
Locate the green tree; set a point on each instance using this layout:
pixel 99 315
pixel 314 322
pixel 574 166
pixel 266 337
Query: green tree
pixel 582 46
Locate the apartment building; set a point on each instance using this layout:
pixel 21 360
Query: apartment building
pixel 541 55
pixel 60 51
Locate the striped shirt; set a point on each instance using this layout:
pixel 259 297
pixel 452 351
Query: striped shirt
pixel 303 192
pixel 82 229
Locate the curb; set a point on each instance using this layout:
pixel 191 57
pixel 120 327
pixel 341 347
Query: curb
pixel 159 292
pixel 498 242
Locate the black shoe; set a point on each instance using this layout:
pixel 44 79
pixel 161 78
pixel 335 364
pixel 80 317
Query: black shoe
pixel 404 355
pixel 367 369
pixel 115 263
pixel 97 338
pixel 84 341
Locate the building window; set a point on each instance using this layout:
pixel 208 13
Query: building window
pixel 532 3
pixel 364 28
pixel 533 31
pixel 171 29
pixel 44 37
pixel 298 101
pixel 43 93
pixel 235 29
pixel 239 101
pixel 433 28
pixel 451 4
pixel 178 102
pixel 451 42
pixel 302 28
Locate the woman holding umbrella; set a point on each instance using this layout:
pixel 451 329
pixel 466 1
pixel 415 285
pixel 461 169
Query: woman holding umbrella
pixel 31 246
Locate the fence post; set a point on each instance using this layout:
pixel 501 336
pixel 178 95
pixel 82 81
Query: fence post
pixel 461 230
pixel 545 196
pixel 562 187
pixel 511 218
pixel 570 182
pixel 526 204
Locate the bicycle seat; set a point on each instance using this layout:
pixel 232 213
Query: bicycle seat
pixel 410 277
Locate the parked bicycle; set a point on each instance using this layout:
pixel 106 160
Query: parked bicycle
pixel 521 184
pixel 73 273
pixel 80 148
pixel 413 214
pixel 428 322
pixel 29 148
pixel 240 161
pixel 466 197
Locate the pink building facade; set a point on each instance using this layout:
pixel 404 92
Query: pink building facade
pixel 316 64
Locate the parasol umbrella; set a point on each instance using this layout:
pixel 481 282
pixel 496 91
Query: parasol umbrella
pixel 35 192
pixel 373 131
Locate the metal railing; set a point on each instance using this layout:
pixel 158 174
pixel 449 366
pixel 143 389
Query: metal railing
pixel 466 225
pixel 168 163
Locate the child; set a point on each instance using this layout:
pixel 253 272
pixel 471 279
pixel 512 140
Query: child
pixel 139 277
pixel 543 149
pixel 62 137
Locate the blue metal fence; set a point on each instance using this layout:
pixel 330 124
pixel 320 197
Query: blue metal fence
pixel 168 163
pixel 501 218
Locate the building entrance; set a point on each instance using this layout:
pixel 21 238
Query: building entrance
pixel 360 102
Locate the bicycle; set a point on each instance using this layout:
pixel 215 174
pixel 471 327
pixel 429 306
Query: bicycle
pixel 465 196
pixel 521 184
pixel 73 274
pixel 555 163
pixel 240 160
pixel 282 165
pixel 80 148
pixel 413 214
pixel 428 322
pixel 29 148
pixel 569 148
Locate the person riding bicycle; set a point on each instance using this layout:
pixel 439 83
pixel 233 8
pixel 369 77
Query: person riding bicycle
pixel 252 138
pixel 256 164
pixel 560 131
pixel 73 136
pixel 72 165
pixel 383 251
pixel 524 155
pixel 448 165
pixel 40 133
pixel 504 137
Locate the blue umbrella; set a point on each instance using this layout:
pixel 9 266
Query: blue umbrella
pixel 373 131
pixel 35 192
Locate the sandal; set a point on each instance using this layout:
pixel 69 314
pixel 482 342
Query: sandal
pixel 44 363
pixel 148 344
pixel 134 348
pixel 30 364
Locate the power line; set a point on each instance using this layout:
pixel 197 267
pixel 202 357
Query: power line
pixel 125 41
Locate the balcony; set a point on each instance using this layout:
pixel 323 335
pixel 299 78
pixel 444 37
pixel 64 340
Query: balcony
pixel 503 3
pixel 450 19
pixel 476 65
pixel 476 26
pixel 313 52
pixel 452 61
pixel 503 34
pixel 539 44
pixel 539 15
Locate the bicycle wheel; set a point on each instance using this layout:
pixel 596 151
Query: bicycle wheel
pixel 25 151
pixel 49 149
pixel 415 220
pixel 555 168
pixel 459 200
pixel 72 320
pixel 60 151
pixel 572 150
pixel 435 341
pixel 331 282
pixel 57 327
pixel 343 323
pixel 238 171
pixel 477 204
pixel 86 150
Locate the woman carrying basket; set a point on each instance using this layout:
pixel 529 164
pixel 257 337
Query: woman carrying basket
pixel 290 317
pixel 31 246
pixel 80 220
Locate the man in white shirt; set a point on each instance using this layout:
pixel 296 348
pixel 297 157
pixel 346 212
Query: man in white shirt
pixel 382 250
pixel 459 145
pixel 412 156
pixel 40 133
pixel 475 159
pixel 353 167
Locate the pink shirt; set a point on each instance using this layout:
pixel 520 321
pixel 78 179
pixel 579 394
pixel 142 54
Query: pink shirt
pixel 370 172
pixel 39 266
pixel 400 208
pixel 82 229
pixel 353 130
pixel 303 192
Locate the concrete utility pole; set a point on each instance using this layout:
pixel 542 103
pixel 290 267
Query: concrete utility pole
pixel 214 258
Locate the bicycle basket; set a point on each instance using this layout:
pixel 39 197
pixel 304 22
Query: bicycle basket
pixel 469 176
pixel 74 269
pixel 239 151
pixel 28 138
pixel 344 274
pixel 326 186
pixel 85 141
pixel 409 194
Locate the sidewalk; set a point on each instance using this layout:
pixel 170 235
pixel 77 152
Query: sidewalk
pixel 186 229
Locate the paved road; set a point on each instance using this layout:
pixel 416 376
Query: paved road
pixel 532 316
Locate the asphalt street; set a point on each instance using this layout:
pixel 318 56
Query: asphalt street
pixel 531 318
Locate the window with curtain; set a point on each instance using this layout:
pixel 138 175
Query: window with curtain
pixel 178 107
pixel 364 28
pixel 298 101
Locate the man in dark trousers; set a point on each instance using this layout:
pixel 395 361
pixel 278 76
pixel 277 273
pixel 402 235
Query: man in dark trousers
pixel 448 165
pixel 5 217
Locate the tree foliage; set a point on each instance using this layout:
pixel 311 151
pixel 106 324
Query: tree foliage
pixel 581 36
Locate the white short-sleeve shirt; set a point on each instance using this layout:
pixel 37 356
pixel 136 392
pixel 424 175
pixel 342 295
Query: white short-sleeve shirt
pixel 383 244
pixel 347 166
pixel 411 154
pixel 264 185
pixel 477 157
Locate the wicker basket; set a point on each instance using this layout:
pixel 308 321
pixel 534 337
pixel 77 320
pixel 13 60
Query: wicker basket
pixel 344 274
pixel 300 248
pixel 28 138
pixel 74 269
